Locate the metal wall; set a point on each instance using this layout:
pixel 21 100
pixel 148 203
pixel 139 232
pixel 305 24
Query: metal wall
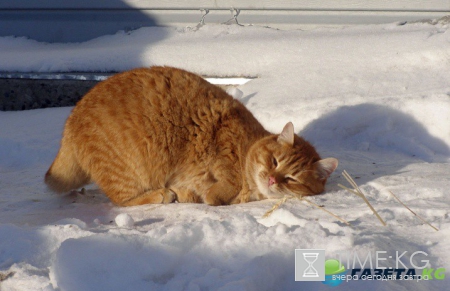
pixel 81 20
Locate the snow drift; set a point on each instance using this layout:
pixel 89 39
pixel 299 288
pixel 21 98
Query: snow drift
pixel 376 97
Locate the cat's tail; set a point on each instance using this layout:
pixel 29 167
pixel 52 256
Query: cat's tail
pixel 65 173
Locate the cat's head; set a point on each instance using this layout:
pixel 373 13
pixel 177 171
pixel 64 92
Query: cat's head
pixel 286 164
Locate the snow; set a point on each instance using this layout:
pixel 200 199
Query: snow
pixel 124 220
pixel 376 97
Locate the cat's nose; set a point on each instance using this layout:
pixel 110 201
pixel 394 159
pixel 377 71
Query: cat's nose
pixel 272 181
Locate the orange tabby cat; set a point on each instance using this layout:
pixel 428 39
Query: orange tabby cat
pixel 163 134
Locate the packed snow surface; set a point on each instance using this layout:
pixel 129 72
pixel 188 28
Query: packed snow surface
pixel 375 97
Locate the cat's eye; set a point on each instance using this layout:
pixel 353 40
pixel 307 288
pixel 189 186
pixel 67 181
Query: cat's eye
pixel 275 162
pixel 290 179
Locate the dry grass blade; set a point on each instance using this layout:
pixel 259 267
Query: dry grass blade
pixel 418 216
pixel 277 205
pixel 359 193
pixel 351 181
pixel 349 190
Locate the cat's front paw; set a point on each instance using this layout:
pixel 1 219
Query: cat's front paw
pixel 221 193
pixel 213 201
pixel 168 196
pixel 242 197
pixel 185 196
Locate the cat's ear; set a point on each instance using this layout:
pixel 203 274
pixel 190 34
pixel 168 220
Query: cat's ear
pixel 287 135
pixel 326 166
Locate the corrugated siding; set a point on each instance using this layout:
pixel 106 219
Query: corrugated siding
pixel 80 20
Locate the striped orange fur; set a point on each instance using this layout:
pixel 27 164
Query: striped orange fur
pixel 163 134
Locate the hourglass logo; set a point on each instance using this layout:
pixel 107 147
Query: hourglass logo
pixel 309 265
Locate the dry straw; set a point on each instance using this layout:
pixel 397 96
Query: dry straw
pixel 357 191
pixel 417 215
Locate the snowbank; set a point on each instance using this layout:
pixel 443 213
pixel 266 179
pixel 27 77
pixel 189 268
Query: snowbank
pixel 375 97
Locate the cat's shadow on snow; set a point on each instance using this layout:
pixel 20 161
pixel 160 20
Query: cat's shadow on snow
pixel 372 140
